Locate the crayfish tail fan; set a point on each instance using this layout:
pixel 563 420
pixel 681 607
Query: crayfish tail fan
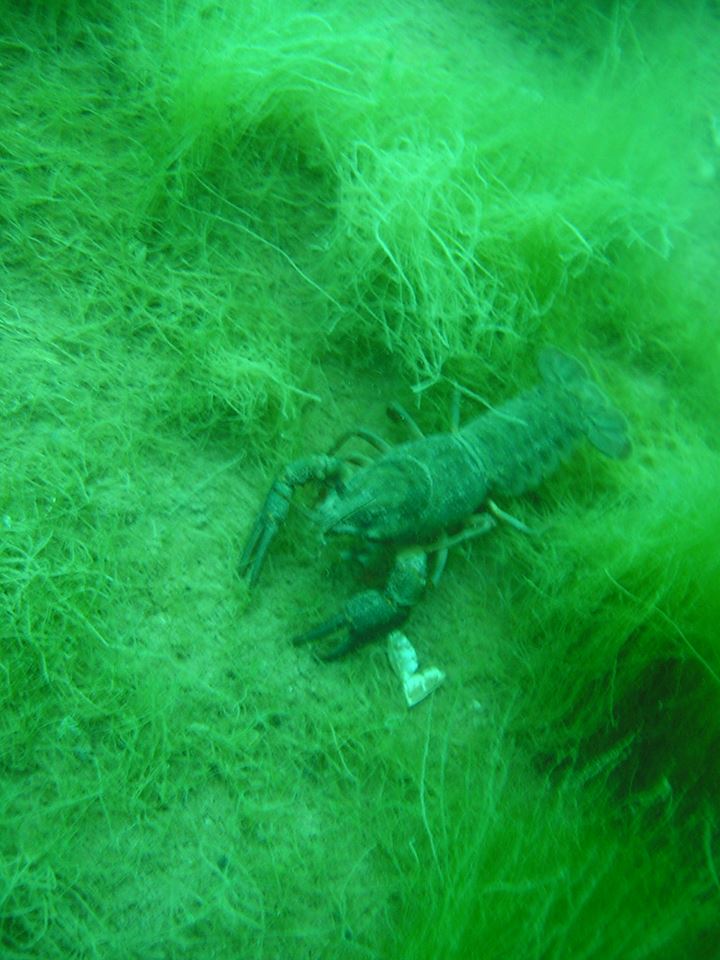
pixel 603 424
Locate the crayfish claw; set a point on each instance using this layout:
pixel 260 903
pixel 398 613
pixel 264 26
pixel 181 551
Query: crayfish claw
pixel 374 613
pixel 255 549
pixel 343 646
pixel 270 519
pixel 277 505
pixel 322 630
pixel 346 645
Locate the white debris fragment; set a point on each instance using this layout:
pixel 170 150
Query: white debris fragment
pixel 417 685
pixel 401 652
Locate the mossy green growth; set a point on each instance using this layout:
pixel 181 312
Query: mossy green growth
pixel 230 231
pixel 538 877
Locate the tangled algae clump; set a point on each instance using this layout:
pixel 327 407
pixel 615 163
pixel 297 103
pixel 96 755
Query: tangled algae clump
pixel 231 231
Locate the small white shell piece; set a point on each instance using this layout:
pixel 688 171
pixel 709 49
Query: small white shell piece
pixel 416 685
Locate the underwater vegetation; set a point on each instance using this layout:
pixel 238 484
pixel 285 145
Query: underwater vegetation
pixel 230 231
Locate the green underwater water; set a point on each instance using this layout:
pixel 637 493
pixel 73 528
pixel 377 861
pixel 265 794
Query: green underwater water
pixel 230 232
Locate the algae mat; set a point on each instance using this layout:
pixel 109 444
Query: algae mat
pixel 231 231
